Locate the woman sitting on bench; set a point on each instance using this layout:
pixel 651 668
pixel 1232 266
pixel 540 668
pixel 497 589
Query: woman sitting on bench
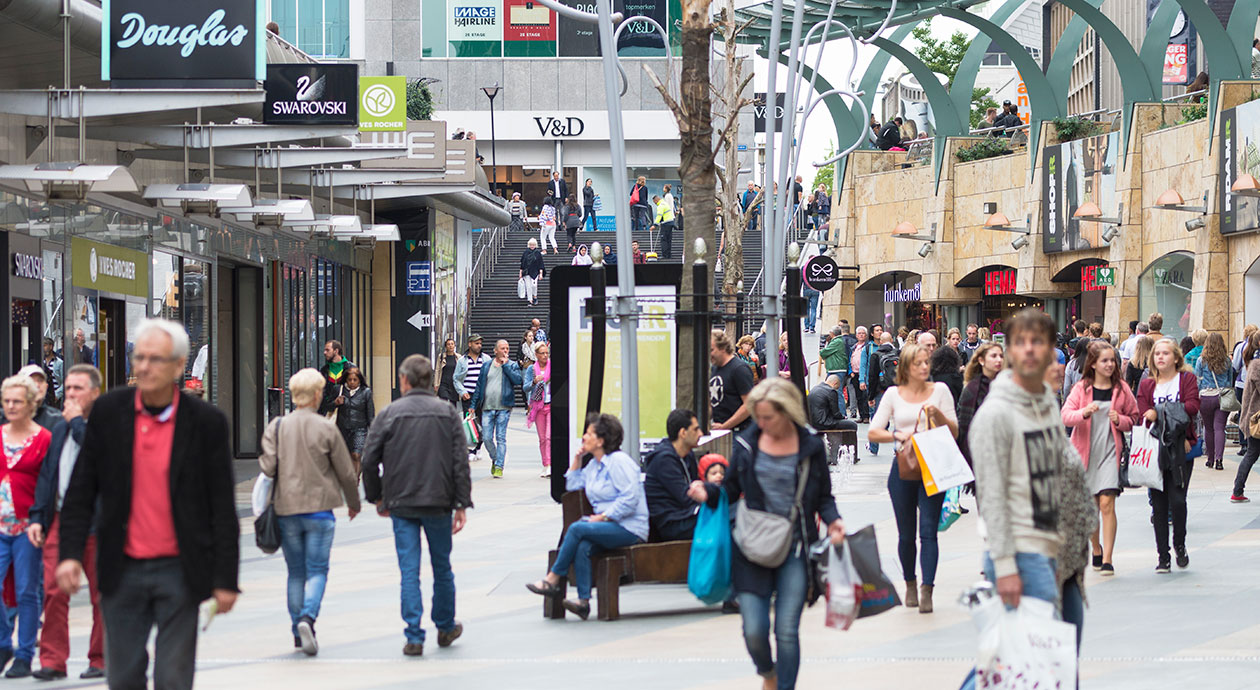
pixel 611 481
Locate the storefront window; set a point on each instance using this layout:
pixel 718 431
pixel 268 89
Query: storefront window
pixel 1164 287
pixel 197 313
pixel 320 28
pixel 442 302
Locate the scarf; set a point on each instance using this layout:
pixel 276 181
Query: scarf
pixel 538 394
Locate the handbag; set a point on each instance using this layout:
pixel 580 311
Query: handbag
pixel 472 435
pixel 1025 647
pixel 907 460
pixel 763 537
pixel 266 526
pixel 1253 425
pixel 1226 395
pixel 520 288
pixel 709 576
pixel 940 461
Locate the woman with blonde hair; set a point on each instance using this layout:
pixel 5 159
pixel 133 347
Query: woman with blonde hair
pixel 766 467
pixel 902 405
pixel 1216 374
pixel 1199 338
pixel 306 456
pixel 983 334
pixel 1135 370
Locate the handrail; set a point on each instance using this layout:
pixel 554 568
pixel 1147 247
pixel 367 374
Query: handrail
pixel 484 264
pixel 1188 94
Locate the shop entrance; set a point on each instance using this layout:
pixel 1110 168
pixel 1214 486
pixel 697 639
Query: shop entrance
pixel 25 333
pixel 112 343
pixel 239 355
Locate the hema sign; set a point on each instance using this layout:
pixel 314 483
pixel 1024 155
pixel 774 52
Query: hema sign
pixel 183 43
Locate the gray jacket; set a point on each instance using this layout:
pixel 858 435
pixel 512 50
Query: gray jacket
pixel 416 455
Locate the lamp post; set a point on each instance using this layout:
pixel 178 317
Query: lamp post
pixel 491 92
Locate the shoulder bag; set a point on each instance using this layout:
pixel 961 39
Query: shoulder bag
pixel 266 527
pixel 1226 395
pixel 907 461
pixel 763 537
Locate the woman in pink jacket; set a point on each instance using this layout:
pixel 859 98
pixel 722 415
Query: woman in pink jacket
pixel 1100 408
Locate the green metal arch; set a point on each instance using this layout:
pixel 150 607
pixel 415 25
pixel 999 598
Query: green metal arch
pixel 1242 26
pixel 1132 73
pixel 947 123
pixel 1152 53
pixel 1226 61
pixel 969 68
pixel 879 63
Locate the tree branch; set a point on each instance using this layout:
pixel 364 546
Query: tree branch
pixel 670 103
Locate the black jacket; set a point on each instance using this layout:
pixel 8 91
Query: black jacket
pixel 972 398
pixel 558 189
pixel 332 386
pixel 666 478
pixel 357 412
pixel 817 502
pixel 44 509
pixel 889 136
pixel 588 196
pixel 571 216
pixel 203 493
pixel 824 407
pixel 875 367
pixel 416 455
pixel 644 200
pixel 532 263
pixel 48 417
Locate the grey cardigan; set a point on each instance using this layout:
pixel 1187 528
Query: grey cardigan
pixel 315 468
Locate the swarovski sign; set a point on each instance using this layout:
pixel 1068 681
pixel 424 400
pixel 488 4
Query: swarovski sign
pixel 305 94
pixel 180 43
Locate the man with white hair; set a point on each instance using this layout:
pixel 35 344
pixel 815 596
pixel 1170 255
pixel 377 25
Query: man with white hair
pixel 532 268
pixel 154 477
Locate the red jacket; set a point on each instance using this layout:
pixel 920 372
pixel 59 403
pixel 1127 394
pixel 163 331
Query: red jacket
pixel 1189 385
pixel 25 474
pixel 1082 395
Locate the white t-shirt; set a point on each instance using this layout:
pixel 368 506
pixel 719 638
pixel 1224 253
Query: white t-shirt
pixel 1167 392
pixel 903 414
pixel 1126 348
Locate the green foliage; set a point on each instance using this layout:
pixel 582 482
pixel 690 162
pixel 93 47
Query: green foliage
pixel 419 100
pixel 981 101
pixel 1190 113
pixel 826 175
pixel 942 57
pixel 1070 128
pixel 986 148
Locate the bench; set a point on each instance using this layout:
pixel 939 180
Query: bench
pixel 652 562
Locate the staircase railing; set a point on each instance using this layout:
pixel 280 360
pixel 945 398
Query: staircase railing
pixel 487 249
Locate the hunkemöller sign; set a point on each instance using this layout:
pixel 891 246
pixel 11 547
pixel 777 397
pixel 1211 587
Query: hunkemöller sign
pixel 160 43
pixel 903 294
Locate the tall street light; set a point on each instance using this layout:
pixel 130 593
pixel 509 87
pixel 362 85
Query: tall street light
pixel 491 92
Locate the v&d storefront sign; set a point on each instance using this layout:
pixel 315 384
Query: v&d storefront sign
pixel 179 43
pixel 312 95
pixel 382 104
pixel 104 267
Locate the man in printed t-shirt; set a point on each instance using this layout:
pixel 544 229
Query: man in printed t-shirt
pixel 730 381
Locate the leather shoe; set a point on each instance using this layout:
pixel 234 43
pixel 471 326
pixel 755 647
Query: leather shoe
pixel 48 673
pixel 413 649
pixel 21 668
pixel 446 638
pixel 92 672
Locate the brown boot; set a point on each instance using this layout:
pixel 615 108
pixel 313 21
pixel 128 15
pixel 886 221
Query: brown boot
pixel 925 599
pixel 912 593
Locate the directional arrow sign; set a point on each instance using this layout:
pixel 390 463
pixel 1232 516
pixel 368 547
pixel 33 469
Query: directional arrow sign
pixel 421 320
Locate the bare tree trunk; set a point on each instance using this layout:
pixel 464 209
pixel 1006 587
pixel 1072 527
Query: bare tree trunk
pixel 733 221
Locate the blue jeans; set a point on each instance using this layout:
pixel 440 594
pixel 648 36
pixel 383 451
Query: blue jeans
pixel 28 567
pixel 811 313
pixel 874 408
pixel 1037 578
pixel 789 589
pixel 582 540
pixel 494 424
pixel 306 543
pixel 909 497
pixel 1074 609
pixel 407 543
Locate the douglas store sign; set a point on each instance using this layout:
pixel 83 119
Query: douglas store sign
pixel 182 43
pixel 312 95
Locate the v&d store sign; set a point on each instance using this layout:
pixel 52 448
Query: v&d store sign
pixel 382 104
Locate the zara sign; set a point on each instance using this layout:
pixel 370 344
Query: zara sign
pixel 181 43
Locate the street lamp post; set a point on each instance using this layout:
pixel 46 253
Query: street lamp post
pixel 491 92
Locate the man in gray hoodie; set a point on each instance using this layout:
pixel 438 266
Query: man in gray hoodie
pixel 1021 456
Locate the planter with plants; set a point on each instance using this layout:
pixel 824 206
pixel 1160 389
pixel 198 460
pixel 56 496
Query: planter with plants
pixel 987 148
pixel 1071 128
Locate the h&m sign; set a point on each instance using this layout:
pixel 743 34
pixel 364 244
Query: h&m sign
pixel 1001 282
pixel 181 43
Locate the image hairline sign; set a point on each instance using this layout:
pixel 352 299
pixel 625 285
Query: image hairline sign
pixel 159 43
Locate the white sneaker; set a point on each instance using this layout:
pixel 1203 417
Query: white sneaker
pixel 472 457
pixel 545 473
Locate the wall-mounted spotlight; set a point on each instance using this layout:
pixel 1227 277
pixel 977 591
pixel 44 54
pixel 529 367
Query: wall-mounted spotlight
pixel 1195 224
pixel 925 249
pixel 1110 233
pixel 1019 242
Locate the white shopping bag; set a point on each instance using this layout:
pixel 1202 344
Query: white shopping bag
pixel 520 288
pixel 940 460
pixel 844 587
pixel 1024 648
pixel 262 494
pixel 1144 459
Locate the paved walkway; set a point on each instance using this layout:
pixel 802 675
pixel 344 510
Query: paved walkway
pixel 1197 626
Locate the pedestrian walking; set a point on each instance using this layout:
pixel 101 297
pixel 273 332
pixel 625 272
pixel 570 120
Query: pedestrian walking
pixel 467 374
pixel 861 349
pixel 448 364
pixel 155 478
pixel 1136 369
pixel 947 368
pixel 1100 410
pixel 495 397
pixel 537 389
pixel 744 351
pixel 1250 405
pixel 355 416
pixel 588 205
pixel 334 372
pixel 746 203
pixel 668 473
pixel 826 415
pixel 416 474
pixel 82 388
pixel 1216 377
pixel 881 375
pixel 1073 372
pixel 1169 400
pixel 834 356
pixel 1198 338
pixel 25 445
pixel 571 216
pixel 612 486
pixel 527 356
pixel 984 366
pixel 1241 371
pixel 45 415
pixel 307 458
pixel 777 466
pixel 532 269
pixel 583 256
pixel 557 187
pixel 548 217
pixel 54 367
pixel 640 205
pixel 518 212
pixel 902 405
pixel 811 306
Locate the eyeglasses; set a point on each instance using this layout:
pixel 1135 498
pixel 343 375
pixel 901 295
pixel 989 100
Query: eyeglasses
pixel 152 359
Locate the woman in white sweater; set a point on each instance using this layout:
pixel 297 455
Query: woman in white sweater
pixel 914 396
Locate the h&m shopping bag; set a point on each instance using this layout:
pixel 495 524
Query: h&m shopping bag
pixel 1144 459
pixel 709 570
pixel 878 594
pixel 1024 648
pixel 844 588
pixel 472 435
pixel 940 460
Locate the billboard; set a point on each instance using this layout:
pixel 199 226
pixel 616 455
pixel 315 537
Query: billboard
pixel 1180 65
pixel 382 104
pixel 474 28
pixel 638 39
pixel 529 29
pixel 159 43
pixel 1240 155
pixel 312 94
pixel 1072 174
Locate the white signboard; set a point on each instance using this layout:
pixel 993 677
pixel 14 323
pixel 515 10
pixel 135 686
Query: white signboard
pixel 564 125
pixel 474 20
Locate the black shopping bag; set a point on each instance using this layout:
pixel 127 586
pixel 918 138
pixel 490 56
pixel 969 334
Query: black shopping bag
pixel 878 593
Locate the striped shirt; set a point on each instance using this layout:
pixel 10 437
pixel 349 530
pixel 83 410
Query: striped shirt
pixel 474 373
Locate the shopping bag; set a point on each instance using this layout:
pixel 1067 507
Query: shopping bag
pixel 878 594
pixel 1144 459
pixel 709 570
pixel 941 462
pixel 471 434
pixel 844 589
pixel 951 510
pixel 262 494
pixel 520 288
pixel 1024 648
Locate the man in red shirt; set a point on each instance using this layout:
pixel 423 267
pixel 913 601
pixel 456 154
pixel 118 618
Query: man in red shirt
pixel 156 472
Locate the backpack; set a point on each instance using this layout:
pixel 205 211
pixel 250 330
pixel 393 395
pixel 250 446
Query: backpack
pixel 888 363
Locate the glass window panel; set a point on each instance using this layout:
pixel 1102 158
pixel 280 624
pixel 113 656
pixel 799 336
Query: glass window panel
pixel 248 357
pixel 337 16
pixel 197 314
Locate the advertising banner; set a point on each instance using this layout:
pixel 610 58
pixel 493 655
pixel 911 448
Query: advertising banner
pixel 161 43
pixel 1180 66
pixel 639 39
pixel 762 104
pixel 1240 155
pixel 104 267
pixel 319 94
pixel 474 28
pixel 529 29
pixel 382 104
pixel 1073 173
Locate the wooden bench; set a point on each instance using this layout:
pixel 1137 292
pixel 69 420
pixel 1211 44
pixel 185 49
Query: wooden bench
pixel 653 562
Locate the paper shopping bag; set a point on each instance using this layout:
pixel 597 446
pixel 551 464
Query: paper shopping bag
pixel 1025 648
pixel 1144 459
pixel 878 593
pixel 940 460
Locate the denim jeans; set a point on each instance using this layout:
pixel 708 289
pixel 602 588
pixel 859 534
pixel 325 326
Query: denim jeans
pixel 811 312
pixel 306 543
pixel 494 424
pixel 907 498
pixel 789 590
pixel 27 562
pixel 437 530
pixel 582 540
pixel 1244 467
pixel 1074 609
